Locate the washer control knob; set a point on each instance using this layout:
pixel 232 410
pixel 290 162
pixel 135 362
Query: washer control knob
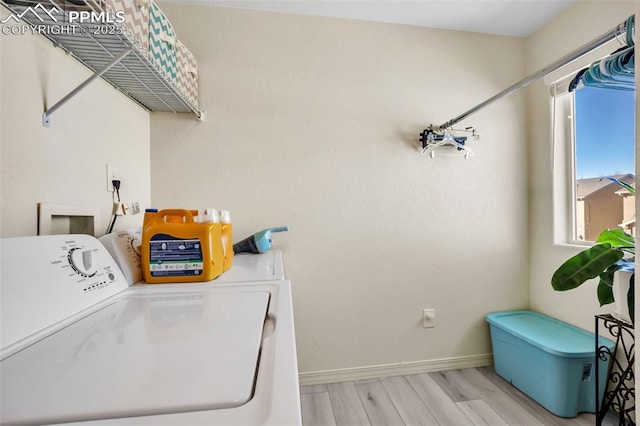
pixel 82 261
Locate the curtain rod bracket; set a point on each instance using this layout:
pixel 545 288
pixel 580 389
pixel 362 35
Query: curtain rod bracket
pixel 434 134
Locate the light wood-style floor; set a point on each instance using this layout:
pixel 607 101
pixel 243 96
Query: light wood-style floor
pixel 474 396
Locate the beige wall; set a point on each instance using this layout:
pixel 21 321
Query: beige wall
pixel 556 39
pixel 65 163
pixel 629 212
pixel 628 207
pixel 313 123
pixel 581 215
pixel 603 210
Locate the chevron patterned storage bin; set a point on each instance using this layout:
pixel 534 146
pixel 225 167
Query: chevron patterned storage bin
pixel 162 43
pixel 187 74
pixel 136 19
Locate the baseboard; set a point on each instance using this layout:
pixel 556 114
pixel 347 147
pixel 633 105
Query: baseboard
pixel 389 370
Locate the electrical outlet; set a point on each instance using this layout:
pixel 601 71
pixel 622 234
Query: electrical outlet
pixel 429 318
pixel 112 174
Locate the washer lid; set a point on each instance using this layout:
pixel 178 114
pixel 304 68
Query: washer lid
pixel 149 353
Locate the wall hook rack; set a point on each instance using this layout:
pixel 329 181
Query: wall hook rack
pixel 433 138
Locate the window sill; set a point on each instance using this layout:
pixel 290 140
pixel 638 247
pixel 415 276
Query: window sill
pixel 576 244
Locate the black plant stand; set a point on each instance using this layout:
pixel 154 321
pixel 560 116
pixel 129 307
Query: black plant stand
pixel 620 392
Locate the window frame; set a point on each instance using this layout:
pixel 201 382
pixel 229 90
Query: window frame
pixel 562 133
pixel 564 174
pixel 572 236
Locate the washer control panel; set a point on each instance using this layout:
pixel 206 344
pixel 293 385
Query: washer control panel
pixel 46 279
pixel 124 247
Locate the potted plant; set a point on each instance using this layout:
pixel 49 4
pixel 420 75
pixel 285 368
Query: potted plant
pixel 604 259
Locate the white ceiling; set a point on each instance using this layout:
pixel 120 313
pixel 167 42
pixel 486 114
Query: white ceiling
pixel 506 17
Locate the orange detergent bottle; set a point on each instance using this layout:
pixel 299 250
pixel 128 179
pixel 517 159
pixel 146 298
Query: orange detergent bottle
pixel 176 248
pixel 227 239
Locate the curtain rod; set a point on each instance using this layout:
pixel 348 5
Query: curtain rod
pixel 610 35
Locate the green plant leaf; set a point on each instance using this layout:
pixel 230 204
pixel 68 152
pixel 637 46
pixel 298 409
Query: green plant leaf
pixel 618 238
pixel 605 293
pixel 607 276
pixel 625 185
pixel 585 265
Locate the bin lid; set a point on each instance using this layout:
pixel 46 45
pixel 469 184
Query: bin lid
pixel 548 334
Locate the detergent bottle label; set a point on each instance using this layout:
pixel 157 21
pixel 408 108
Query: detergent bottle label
pixel 170 256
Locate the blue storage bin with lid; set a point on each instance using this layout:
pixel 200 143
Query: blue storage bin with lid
pixel 549 360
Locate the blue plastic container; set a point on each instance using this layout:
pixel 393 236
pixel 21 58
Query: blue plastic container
pixel 551 361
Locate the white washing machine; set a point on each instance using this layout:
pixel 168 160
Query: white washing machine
pixel 80 344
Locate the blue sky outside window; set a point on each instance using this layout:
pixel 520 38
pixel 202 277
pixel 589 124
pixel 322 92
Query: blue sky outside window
pixel 605 134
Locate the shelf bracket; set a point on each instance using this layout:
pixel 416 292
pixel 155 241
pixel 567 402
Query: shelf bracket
pixel 47 114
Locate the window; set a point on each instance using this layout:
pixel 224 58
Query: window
pixel 604 146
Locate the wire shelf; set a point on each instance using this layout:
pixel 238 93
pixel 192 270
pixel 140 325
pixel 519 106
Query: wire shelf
pixel 136 76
